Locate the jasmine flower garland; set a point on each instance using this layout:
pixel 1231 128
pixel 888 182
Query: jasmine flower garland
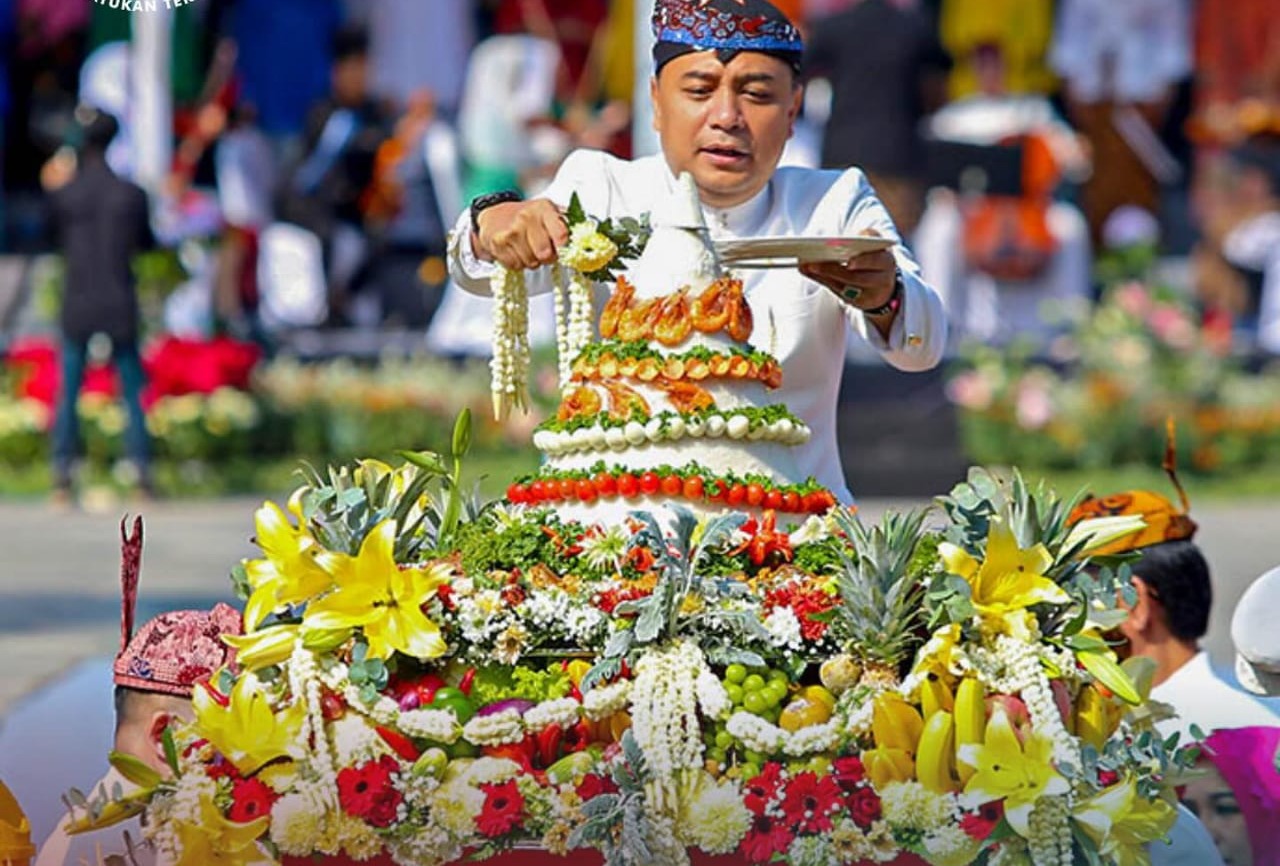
pixel 510 363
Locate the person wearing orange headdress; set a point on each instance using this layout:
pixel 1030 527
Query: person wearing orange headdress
pixel 1165 624
pixel 1171 611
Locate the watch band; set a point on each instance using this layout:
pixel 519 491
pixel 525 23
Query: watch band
pixel 480 203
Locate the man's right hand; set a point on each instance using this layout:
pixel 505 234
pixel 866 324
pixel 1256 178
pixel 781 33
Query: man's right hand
pixel 520 235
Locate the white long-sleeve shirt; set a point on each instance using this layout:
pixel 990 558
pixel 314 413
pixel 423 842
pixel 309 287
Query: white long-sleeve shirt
pixel 1126 50
pixel 796 319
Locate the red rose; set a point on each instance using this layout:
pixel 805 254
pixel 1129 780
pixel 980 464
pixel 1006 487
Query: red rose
pixel 848 772
pixel 864 807
pixel 809 801
pixel 250 800
pixel 503 807
pixel 981 824
pixel 765 838
pixel 593 785
pixel 367 791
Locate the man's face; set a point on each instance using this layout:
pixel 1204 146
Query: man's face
pixel 726 124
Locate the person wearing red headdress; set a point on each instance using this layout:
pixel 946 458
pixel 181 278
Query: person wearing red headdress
pixel 155 673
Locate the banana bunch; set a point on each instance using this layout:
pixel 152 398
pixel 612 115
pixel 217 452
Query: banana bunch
pixel 936 757
pixel 970 722
pixel 1097 716
pixel 896 727
pixel 935 695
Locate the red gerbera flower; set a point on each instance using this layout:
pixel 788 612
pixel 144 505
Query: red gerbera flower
pixel 766 837
pixel 250 800
pixel 761 789
pixel 981 824
pixel 809 801
pixel 503 807
pixel 367 791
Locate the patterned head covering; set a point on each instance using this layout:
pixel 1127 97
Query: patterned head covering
pixel 1246 759
pixel 1164 521
pixel 176 649
pixel 724 26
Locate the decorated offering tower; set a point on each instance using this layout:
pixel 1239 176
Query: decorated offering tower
pixel 673 403
pixel 664 647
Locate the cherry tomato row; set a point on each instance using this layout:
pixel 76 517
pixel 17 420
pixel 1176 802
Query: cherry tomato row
pixel 629 485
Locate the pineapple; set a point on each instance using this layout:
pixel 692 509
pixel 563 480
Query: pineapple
pixel 882 602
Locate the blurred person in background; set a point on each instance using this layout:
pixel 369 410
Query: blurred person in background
pixel 413 46
pixel 7 30
pixel 417 186
pixel 284 55
pixel 324 191
pixel 1120 64
pixel 998 257
pixel 1019 30
pixel 875 126
pixel 1238 261
pixel 101 222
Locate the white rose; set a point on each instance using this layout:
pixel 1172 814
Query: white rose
pixel 738 426
pixel 653 430
pixel 695 428
pixel 715 426
pixel 676 428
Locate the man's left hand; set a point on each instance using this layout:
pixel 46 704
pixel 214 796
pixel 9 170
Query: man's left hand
pixel 864 281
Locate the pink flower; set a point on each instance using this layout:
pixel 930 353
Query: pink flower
pixel 971 390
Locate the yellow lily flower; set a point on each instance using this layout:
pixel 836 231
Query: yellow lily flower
pixel 375 594
pixel 246 730
pixel 1121 823
pixel 1017 773
pixel 212 840
pixel 1009 578
pixel 263 648
pixel 290 573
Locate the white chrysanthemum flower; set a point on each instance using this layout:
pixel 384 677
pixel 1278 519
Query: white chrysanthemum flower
pixel 713 816
pixel 809 851
pixel 849 845
pixel 341 832
pixel 950 846
pixel 455 807
pixel 354 740
pixel 605 550
pixel 297 821
pixel 506 516
pixel 491 771
pixel 511 644
pixel 813 529
pixel 784 628
pixel 912 806
pixel 588 250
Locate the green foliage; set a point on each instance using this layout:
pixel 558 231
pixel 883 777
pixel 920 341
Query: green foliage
pixel 881 599
pixel 629 234
pixel 499 682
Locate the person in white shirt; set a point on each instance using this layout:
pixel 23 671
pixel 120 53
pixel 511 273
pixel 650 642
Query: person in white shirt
pixel 724 109
pixel 1165 624
pixel 1119 63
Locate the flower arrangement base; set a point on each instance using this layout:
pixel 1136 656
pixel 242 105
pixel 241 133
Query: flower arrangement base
pixel 534 856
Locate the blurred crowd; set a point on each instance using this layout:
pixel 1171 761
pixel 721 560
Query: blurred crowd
pixel 321 149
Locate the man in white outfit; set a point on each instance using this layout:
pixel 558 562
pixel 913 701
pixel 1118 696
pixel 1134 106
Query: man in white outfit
pixel 725 97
